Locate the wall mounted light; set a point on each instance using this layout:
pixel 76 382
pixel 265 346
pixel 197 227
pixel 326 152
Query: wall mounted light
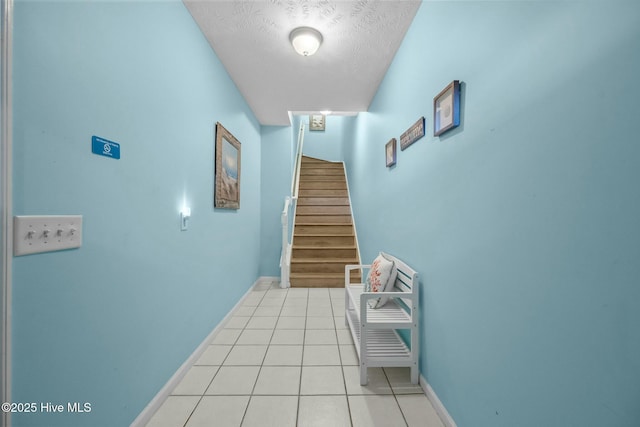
pixel 185 214
pixel 305 40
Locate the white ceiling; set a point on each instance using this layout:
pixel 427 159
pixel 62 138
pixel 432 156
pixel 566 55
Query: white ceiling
pixel 251 38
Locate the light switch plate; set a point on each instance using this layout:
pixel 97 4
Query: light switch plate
pixel 46 233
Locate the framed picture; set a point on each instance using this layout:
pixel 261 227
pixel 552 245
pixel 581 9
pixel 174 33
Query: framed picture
pixel 414 133
pixel 316 121
pixel 390 151
pixel 227 186
pixel 446 109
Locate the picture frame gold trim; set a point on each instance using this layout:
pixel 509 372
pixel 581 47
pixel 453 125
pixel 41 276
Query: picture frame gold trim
pixel 226 193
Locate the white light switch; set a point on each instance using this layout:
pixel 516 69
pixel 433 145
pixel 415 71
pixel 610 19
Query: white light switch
pixel 45 233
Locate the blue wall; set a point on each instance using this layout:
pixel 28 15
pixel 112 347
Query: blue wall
pixel 327 144
pixel 275 187
pixel 523 221
pixel 110 323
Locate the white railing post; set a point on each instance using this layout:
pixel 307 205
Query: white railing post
pixel 284 256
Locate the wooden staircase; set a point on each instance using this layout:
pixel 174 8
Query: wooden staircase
pixel 324 239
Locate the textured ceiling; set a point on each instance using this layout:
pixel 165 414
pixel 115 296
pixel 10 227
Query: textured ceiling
pixel 251 38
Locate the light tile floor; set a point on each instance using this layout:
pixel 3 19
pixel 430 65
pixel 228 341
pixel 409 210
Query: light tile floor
pixel 286 358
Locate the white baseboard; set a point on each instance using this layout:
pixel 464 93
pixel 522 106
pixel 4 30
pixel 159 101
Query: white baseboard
pixel 267 279
pixel 143 418
pixel 437 404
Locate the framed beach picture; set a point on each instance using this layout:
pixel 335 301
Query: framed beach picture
pixel 227 170
pixel 446 109
pixel 390 151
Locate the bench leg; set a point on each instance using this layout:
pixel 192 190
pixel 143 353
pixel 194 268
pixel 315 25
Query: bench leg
pixel 363 374
pixel 414 375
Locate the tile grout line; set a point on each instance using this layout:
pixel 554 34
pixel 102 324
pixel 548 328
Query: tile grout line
pixel 246 409
pixel 304 336
pixel 344 377
pixel 395 397
pixel 273 331
pixel 204 393
pixel 222 364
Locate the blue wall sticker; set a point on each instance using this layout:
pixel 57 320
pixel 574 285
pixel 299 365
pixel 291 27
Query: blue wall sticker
pixel 105 147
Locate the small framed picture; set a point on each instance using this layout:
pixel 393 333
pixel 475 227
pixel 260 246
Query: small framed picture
pixel 390 152
pixel 414 133
pixel 446 109
pixel 316 122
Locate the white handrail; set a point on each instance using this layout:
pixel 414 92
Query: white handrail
pixel 288 215
pixel 295 181
pixel 353 218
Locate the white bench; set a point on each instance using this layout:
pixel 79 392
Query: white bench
pixel 374 330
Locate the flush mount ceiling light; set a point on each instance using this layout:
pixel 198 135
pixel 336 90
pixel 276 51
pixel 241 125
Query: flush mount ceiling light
pixel 305 40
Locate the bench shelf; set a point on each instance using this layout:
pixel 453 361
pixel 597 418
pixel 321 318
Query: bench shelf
pixel 374 331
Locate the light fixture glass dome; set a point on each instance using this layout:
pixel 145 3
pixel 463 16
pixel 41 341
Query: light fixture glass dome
pixel 305 40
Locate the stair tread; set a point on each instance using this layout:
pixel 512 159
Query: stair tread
pixel 319 233
pixel 350 246
pixel 315 275
pixel 315 159
pixel 302 220
pixel 339 201
pixel 327 223
pixel 324 260
pixel 304 194
pixel 330 213
pixel 323 214
pixel 322 166
pixel 323 235
pixel 325 178
pixel 330 210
